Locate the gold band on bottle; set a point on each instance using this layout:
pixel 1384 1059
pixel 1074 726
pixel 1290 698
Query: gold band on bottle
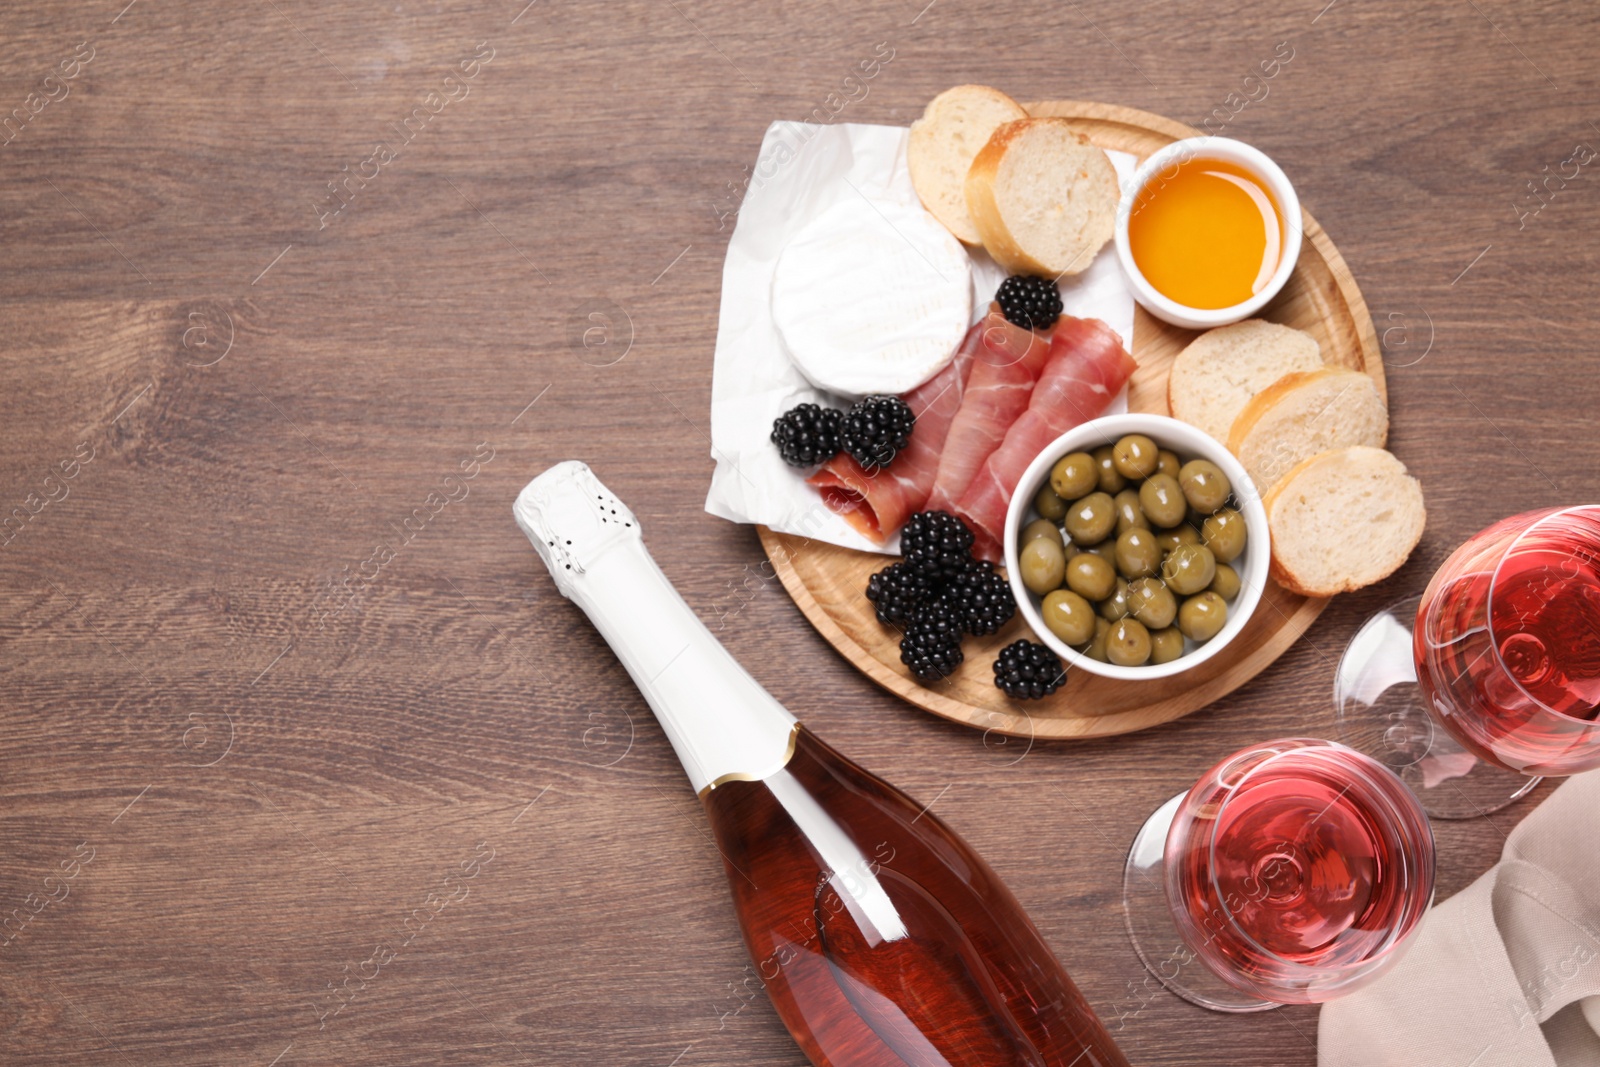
pixel 740 776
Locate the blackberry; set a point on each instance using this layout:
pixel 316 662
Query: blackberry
pixel 931 646
pixel 1025 670
pixel 876 429
pixel 936 543
pixel 807 434
pixel 981 598
pixel 1026 300
pixel 898 591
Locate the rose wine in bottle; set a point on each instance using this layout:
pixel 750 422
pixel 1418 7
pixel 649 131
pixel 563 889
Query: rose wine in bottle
pixel 882 938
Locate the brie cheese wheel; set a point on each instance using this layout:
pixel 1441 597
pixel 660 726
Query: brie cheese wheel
pixel 872 297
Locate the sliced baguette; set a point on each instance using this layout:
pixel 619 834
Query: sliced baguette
pixel 1043 198
pixel 1221 370
pixel 1342 520
pixel 1302 414
pixel 952 130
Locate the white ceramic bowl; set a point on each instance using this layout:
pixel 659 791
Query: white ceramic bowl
pixel 1189 443
pixel 1251 159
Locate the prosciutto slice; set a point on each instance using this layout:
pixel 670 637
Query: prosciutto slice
pixel 1007 364
pixel 878 502
pixel 1087 368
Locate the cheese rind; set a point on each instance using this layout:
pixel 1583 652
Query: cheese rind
pixel 921 281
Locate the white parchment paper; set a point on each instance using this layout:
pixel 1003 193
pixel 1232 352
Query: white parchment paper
pixel 802 170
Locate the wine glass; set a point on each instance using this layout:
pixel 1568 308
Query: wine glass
pixel 1491 678
pixel 1292 872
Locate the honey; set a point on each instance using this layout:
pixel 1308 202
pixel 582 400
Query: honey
pixel 1206 233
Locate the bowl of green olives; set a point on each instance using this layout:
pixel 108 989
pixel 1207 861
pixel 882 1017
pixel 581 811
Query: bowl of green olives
pixel 1136 546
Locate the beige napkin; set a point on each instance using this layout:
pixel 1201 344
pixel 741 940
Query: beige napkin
pixel 1506 973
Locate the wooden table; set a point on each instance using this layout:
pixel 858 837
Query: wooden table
pixel 337 776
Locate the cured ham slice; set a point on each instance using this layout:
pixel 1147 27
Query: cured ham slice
pixel 1087 368
pixel 1007 364
pixel 878 502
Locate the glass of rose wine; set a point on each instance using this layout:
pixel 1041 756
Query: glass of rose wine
pixel 1292 872
pixel 1490 679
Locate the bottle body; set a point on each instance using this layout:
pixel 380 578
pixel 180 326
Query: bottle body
pixel 882 937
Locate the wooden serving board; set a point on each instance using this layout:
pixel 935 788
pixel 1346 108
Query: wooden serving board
pixel 828 582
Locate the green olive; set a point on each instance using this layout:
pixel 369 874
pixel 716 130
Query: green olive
pixel 1096 648
pixel 1048 505
pixel 1041 564
pixel 1039 530
pixel 1115 606
pixel 1111 479
pixel 1106 550
pixel 1166 645
pixel 1091 520
pixel 1129 513
pixel 1162 500
pixel 1202 616
pixel 1151 602
pixel 1204 485
pixel 1135 456
pixel 1068 616
pixel 1167 540
pixel 1224 534
pixel 1168 463
pixel 1089 575
pixel 1074 475
pixel 1138 556
pixel 1226 584
pixel 1128 643
pixel 1188 569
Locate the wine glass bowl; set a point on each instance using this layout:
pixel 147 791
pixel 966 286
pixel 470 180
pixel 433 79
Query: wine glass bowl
pixel 1507 643
pixel 1295 871
pixel 1299 869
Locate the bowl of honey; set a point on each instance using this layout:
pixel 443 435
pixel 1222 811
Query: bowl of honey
pixel 1208 231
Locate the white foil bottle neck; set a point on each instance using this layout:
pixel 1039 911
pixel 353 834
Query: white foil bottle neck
pixel 722 724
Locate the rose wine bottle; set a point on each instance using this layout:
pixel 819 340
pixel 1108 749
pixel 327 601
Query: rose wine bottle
pixel 882 938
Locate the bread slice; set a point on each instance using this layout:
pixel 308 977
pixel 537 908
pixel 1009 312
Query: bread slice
pixel 952 130
pixel 1217 375
pixel 1043 198
pixel 1302 414
pixel 1342 520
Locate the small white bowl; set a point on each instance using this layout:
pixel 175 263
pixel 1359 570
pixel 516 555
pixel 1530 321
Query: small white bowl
pixel 1189 443
pixel 1230 151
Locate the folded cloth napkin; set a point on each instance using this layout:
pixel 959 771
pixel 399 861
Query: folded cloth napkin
pixel 1506 973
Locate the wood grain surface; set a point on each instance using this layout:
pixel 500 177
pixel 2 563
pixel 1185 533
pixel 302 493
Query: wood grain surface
pixel 304 760
pixel 1321 297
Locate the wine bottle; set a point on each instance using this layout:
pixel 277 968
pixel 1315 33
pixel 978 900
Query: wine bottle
pixel 882 938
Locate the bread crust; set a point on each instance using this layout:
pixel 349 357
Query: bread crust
pixel 1282 575
pixel 928 155
pixel 1222 345
pixel 1276 570
pixel 1265 400
pixel 985 209
pixel 984 206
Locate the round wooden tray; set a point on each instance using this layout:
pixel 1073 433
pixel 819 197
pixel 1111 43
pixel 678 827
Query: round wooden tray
pixel 827 582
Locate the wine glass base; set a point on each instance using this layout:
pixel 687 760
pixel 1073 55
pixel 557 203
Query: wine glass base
pixel 1155 936
pixel 1381 712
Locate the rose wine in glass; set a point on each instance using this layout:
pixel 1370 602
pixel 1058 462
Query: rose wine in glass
pixel 882 938
pixel 1508 643
pixel 1293 871
pixel 1491 678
